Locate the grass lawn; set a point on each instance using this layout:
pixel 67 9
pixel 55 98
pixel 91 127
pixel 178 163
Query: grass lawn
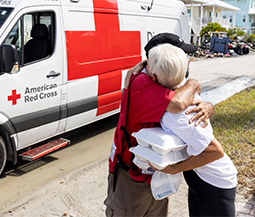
pixel 234 128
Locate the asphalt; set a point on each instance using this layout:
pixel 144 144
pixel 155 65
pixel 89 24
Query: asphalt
pixel 82 192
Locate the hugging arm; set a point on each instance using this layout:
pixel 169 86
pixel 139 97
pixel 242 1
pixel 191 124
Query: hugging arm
pixel 182 99
pixel 213 152
pixel 183 96
pixel 133 71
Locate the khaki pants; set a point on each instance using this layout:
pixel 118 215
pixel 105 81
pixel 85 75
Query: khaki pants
pixel 132 198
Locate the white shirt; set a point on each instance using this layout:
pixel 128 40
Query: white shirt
pixel 220 173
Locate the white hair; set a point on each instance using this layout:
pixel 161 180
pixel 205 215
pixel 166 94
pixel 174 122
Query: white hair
pixel 169 63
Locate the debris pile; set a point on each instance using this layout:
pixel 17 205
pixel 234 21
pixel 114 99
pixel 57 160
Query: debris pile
pixel 235 48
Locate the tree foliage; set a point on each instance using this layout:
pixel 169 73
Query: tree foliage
pixel 250 38
pixel 211 27
pixel 240 32
pixel 233 32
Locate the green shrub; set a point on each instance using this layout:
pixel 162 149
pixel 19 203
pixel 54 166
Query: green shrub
pixel 250 38
pixel 211 27
pixel 231 32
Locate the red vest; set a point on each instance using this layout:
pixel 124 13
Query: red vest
pixel 145 106
pixel 121 136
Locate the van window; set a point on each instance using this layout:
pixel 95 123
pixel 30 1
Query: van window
pixel 15 38
pixel 33 36
pixel 28 23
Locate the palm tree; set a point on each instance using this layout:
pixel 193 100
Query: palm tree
pixel 233 32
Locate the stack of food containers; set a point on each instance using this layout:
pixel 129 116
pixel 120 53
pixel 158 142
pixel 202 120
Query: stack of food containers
pixel 159 147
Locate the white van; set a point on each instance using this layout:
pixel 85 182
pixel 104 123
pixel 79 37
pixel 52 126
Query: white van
pixel 63 63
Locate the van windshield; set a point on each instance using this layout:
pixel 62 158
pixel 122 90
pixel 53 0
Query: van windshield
pixel 4 13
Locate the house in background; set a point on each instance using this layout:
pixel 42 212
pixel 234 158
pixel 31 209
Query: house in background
pixel 244 18
pixel 194 21
pixel 208 11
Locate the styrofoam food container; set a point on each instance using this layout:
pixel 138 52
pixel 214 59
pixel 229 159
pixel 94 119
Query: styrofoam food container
pixel 157 160
pixel 161 141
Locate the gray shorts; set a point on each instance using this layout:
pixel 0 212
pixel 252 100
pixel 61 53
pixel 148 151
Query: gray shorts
pixel 132 198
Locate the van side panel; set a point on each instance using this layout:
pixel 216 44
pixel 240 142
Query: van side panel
pixel 165 16
pixel 31 98
pixel 109 93
pixel 99 52
pixel 103 50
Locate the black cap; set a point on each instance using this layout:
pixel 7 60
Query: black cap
pixel 170 38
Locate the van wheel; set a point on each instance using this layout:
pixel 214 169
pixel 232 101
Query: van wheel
pixel 2 154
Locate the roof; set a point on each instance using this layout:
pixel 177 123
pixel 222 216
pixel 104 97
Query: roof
pixel 211 3
pixel 195 1
pixel 222 4
pixel 251 11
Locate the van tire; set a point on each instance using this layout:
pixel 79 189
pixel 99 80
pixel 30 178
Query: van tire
pixel 3 154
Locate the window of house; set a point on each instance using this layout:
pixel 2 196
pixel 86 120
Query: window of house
pixel 210 13
pixel 244 18
pixel 199 13
pixel 230 18
pixel 189 11
pixel 250 19
pixel 251 4
pixel 217 14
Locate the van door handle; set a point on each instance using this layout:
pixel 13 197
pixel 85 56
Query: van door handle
pixel 53 74
pixel 147 8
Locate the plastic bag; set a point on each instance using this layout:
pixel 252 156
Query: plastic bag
pixel 164 184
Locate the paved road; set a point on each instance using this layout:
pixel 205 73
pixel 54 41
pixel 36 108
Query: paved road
pixel 73 180
pixel 217 71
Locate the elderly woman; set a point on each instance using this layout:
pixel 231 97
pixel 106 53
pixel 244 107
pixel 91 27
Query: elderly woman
pixel 209 172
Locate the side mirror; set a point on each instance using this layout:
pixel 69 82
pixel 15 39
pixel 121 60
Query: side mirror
pixel 9 59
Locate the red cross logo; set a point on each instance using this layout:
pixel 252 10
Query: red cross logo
pixel 104 50
pixel 14 97
pixel 107 49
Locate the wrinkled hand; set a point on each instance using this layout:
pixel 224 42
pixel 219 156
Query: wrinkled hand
pixel 204 111
pixel 171 169
pixel 133 71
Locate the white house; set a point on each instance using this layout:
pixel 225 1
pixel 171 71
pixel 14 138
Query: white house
pixel 202 12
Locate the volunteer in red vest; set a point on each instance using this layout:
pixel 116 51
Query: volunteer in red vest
pixel 142 105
